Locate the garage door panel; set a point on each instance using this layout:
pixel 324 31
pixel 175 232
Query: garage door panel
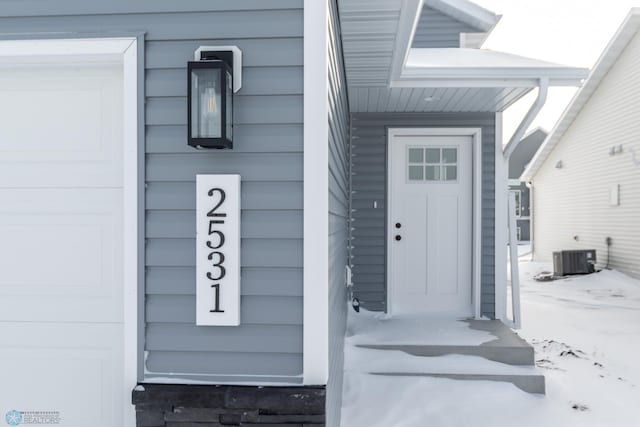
pixel 70 369
pixel 61 241
pixel 60 254
pixel 61 127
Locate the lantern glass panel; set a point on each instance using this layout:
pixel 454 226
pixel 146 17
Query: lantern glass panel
pixel 206 107
pixel 229 112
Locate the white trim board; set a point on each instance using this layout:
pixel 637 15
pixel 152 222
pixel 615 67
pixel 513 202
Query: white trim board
pixel 316 201
pixel 123 50
pixel 476 134
pixel 500 230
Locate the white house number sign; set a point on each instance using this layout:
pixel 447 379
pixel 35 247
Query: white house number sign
pixel 218 250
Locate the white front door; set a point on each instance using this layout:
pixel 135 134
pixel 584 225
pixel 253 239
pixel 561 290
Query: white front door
pixel 61 243
pixel 430 223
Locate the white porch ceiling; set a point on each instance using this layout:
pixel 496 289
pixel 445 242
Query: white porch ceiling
pixel 421 100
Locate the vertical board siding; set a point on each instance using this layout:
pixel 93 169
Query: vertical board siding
pixel 369 147
pixel 571 205
pixel 338 213
pixel 267 154
pixel 435 30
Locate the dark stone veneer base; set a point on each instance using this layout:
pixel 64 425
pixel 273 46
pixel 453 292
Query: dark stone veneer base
pixel 169 405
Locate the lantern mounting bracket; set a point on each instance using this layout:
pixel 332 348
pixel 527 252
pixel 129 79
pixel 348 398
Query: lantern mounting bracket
pixel 230 54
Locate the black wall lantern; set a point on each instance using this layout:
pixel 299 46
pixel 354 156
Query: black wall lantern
pixel 213 78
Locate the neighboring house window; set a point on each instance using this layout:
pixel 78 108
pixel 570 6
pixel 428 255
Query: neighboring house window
pixel 432 164
pixel 518 233
pixel 518 194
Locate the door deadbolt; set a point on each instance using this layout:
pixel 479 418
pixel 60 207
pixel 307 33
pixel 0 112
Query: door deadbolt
pixel 398 225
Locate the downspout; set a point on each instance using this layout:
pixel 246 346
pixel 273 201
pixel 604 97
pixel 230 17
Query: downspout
pixel 543 88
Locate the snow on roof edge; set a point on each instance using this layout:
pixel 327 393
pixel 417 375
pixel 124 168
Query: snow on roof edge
pixel 609 56
pixel 480 64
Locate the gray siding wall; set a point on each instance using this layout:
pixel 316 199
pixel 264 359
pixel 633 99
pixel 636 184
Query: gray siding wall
pixel 267 154
pixel 435 29
pixel 338 214
pixel 369 181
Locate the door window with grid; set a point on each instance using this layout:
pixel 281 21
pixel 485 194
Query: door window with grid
pixel 432 164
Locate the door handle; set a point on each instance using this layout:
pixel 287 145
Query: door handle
pixel 398 237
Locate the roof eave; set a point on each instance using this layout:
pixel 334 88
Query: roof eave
pixel 627 30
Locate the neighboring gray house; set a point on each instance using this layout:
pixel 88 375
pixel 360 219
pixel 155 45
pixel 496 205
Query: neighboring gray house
pixel 520 158
pixel 123 247
pixel 585 177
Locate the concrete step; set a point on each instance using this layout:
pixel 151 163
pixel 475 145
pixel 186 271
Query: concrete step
pixel 505 347
pixel 530 383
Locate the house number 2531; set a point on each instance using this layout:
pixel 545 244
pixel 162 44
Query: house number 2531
pixel 218 250
pixel 217 255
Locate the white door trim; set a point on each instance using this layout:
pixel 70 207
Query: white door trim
pixel 476 135
pixel 106 50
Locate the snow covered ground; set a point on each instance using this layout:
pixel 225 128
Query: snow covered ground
pixel 586 331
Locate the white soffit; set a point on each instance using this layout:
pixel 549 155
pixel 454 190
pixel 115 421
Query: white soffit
pixel 432 100
pixel 451 67
pixel 368 30
pixel 609 56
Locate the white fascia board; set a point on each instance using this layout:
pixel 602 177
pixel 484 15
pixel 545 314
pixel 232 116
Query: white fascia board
pixel 315 347
pixel 483 73
pixel 475 82
pixel 627 30
pixel 463 67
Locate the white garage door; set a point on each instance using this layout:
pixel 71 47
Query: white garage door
pixel 61 243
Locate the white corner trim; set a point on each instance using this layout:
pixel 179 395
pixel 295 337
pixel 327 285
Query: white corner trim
pixel 130 253
pixel 316 199
pixel 500 231
pixel 476 260
pixel 407 24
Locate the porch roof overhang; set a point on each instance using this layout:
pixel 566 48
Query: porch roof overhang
pixel 463 67
pixel 384 74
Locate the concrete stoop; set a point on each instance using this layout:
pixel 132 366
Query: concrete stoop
pixel 513 357
pixel 530 383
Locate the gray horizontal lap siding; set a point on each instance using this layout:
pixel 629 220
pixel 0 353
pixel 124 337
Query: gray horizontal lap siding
pixel 267 154
pixel 338 214
pixel 437 30
pixel 369 181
